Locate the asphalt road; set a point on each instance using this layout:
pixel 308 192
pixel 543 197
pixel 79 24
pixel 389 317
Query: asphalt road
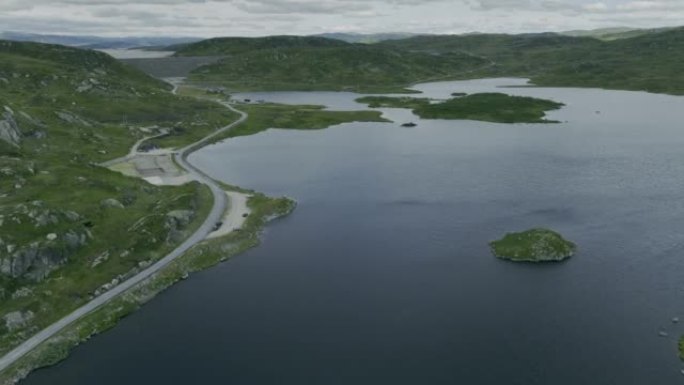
pixel 220 205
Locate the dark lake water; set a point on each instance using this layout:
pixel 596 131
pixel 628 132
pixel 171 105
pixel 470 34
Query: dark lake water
pixel 383 274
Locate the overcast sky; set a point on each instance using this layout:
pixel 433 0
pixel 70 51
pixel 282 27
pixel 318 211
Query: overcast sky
pixel 205 18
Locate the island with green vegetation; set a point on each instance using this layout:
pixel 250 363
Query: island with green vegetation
pixel 535 245
pixel 488 107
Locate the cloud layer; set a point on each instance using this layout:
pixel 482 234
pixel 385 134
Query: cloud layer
pixel 264 17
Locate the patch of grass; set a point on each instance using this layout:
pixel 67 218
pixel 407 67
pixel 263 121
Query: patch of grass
pixel 488 107
pixel 265 116
pixel 536 245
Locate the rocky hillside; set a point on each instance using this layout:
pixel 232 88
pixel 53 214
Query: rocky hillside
pixel 69 229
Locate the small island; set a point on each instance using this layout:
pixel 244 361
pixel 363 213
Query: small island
pixel 486 107
pixel 536 245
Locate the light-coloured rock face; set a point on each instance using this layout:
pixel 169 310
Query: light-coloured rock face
pixel 36 260
pixel 72 118
pixel 17 320
pixel 9 130
pixel 176 221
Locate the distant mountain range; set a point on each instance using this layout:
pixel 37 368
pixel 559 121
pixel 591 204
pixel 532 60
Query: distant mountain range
pixel 615 33
pixel 98 42
pixel 367 38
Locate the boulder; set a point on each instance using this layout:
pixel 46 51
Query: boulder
pixel 9 129
pixel 17 320
pixel 111 203
pixel 72 118
pixel 22 293
pixel 179 218
pixel 34 262
pixel 176 221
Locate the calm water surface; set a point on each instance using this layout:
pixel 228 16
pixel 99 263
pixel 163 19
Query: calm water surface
pixel 383 274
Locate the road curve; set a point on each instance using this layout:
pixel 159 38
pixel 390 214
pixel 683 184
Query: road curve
pixel 220 205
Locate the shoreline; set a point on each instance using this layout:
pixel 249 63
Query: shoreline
pixel 53 343
pixel 203 256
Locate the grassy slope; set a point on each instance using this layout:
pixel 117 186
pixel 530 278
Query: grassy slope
pixel 57 173
pixel 488 107
pixel 265 116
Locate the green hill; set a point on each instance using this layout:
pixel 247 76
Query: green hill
pixel 224 46
pixel 615 33
pixel 348 67
pixel 67 226
pixel 648 62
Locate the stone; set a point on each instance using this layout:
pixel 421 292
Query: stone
pixel 72 118
pixel 100 259
pixel 22 293
pixel 72 216
pixel 17 320
pixel 111 203
pixel 9 129
pixel 175 222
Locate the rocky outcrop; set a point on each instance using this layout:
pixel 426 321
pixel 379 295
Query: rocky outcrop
pixel 176 221
pixel 9 129
pixel 34 262
pixel 17 320
pixel 41 247
pixel 72 118
pixel 111 203
pixel 37 259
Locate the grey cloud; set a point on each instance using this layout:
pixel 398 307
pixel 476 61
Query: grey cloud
pixel 302 6
pixel 259 17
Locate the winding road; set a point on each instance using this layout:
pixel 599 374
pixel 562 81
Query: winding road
pixel 216 214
